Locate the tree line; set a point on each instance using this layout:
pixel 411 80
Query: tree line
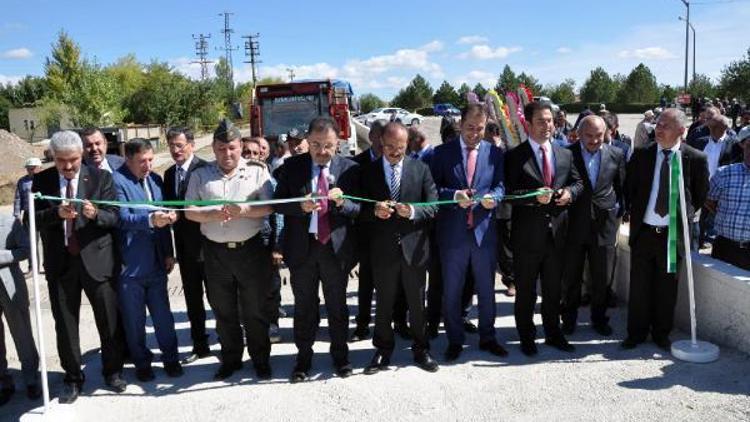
pixel 126 91
pixel 637 87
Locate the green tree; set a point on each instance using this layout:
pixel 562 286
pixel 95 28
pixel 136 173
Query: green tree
pixel 639 86
pixel 669 92
pixel 165 97
pixel 508 81
pixel 128 76
pixel 734 81
pixel 446 94
pixel 65 66
pixel 562 93
pixel 462 91
pixel 369 102
pixel 701 86
pixel 417 95
pixel 530 82
pixel 480 90
pixel 599 87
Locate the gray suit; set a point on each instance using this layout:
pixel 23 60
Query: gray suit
pixel 14 300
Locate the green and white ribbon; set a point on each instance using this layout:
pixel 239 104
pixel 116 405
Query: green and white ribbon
pixel 182 205
pixel 675 167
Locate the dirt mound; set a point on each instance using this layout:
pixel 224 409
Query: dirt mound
pixel 13 154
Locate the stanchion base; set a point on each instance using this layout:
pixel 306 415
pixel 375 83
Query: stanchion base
pixel 55 413
pixel 698 352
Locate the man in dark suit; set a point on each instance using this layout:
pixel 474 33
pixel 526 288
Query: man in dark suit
pixel 539 225
pixel 366 287
pixel 469 171
pixel 95 151
pixel 318 242
pixel 593 225
pixel 653 290
pixel 399 243
pixel 79 255
pixel 187 237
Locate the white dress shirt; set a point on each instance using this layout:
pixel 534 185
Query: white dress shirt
pixel 536 147
pixel 713 151
pixel 63 191
pixel 651 217
pixel 104 165
pixel 315 175
pixel 185 166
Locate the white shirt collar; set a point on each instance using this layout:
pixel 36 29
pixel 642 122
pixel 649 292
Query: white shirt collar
pixel 675 148
pixel 104 165
pixel 186 165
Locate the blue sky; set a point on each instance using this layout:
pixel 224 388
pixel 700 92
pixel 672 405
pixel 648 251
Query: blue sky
pixel 380 46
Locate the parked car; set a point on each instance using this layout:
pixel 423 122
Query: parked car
pixel 446 110
pixel 386 113
pixel 555 107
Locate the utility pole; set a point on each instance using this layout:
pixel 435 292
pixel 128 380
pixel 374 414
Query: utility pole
pixel 252 48
pixel 692 28
pixel 228 48
pixel 201 51
pixel 291 74
pixel 687 41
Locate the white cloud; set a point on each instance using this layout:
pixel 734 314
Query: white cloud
pixel 487 79
pixel 192 70
pixel 564 50
pixel 16 53
pixel 648 53
pixel 10 79
pixel 485 52
pixel 472 39
pixel 432 46
pixel 309 71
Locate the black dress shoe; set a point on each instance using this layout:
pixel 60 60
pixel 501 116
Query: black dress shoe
pixel 33 391
pixel 560 343
pixel 226 370
pixel 453 352
pixel 528 347
pixel 70 393
pixel 425 361
pixel 173 369
pixel 402 330
pixel 602 329
pixel 494 347
pixel 664 344
pixel 145 374
pixel 6 393
pixel 197 354
pixel 116 383
pixel 585 300
pixel 469 326
pixel 629 343
pixel 344 371
pixel 568 327
pixel 432 331
pixel 263 370
pixel 378 363
pixel 298 375
pixel 360 333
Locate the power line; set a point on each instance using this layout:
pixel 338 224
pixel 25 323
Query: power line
pixel 228 48
pixel 201 51
pixel 252 50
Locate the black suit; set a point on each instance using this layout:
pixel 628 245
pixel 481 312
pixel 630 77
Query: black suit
pixel 592 232
pixel 366 286
pixel 538 235
pixel 92 270
pixel 187 238
pixel 653 291
pixel 312 263
pixel 399 248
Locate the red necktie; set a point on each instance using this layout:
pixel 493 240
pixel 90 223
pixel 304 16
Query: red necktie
pixel 324 227
pixel 546 167
pixel 73 247
pixel 471 166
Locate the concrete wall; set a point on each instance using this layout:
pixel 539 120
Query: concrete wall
pixel 27 123
pixel 722 296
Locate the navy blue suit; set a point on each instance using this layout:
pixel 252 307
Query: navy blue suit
pixel 464 249
pixel 143 277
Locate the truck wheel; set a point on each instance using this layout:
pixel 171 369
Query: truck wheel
pixel 414 122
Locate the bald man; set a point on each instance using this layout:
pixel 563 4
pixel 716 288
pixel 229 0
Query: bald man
pixel 593 222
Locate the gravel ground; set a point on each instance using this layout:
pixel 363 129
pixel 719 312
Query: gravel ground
pixel 597 382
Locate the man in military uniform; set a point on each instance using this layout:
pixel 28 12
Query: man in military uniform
pixel 238 266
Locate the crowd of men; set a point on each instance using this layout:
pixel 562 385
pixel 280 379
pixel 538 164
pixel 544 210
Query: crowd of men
pixel 543 213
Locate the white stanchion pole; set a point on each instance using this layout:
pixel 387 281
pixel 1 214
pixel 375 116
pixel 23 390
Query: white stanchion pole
pixel 691 350
pixel 38 300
